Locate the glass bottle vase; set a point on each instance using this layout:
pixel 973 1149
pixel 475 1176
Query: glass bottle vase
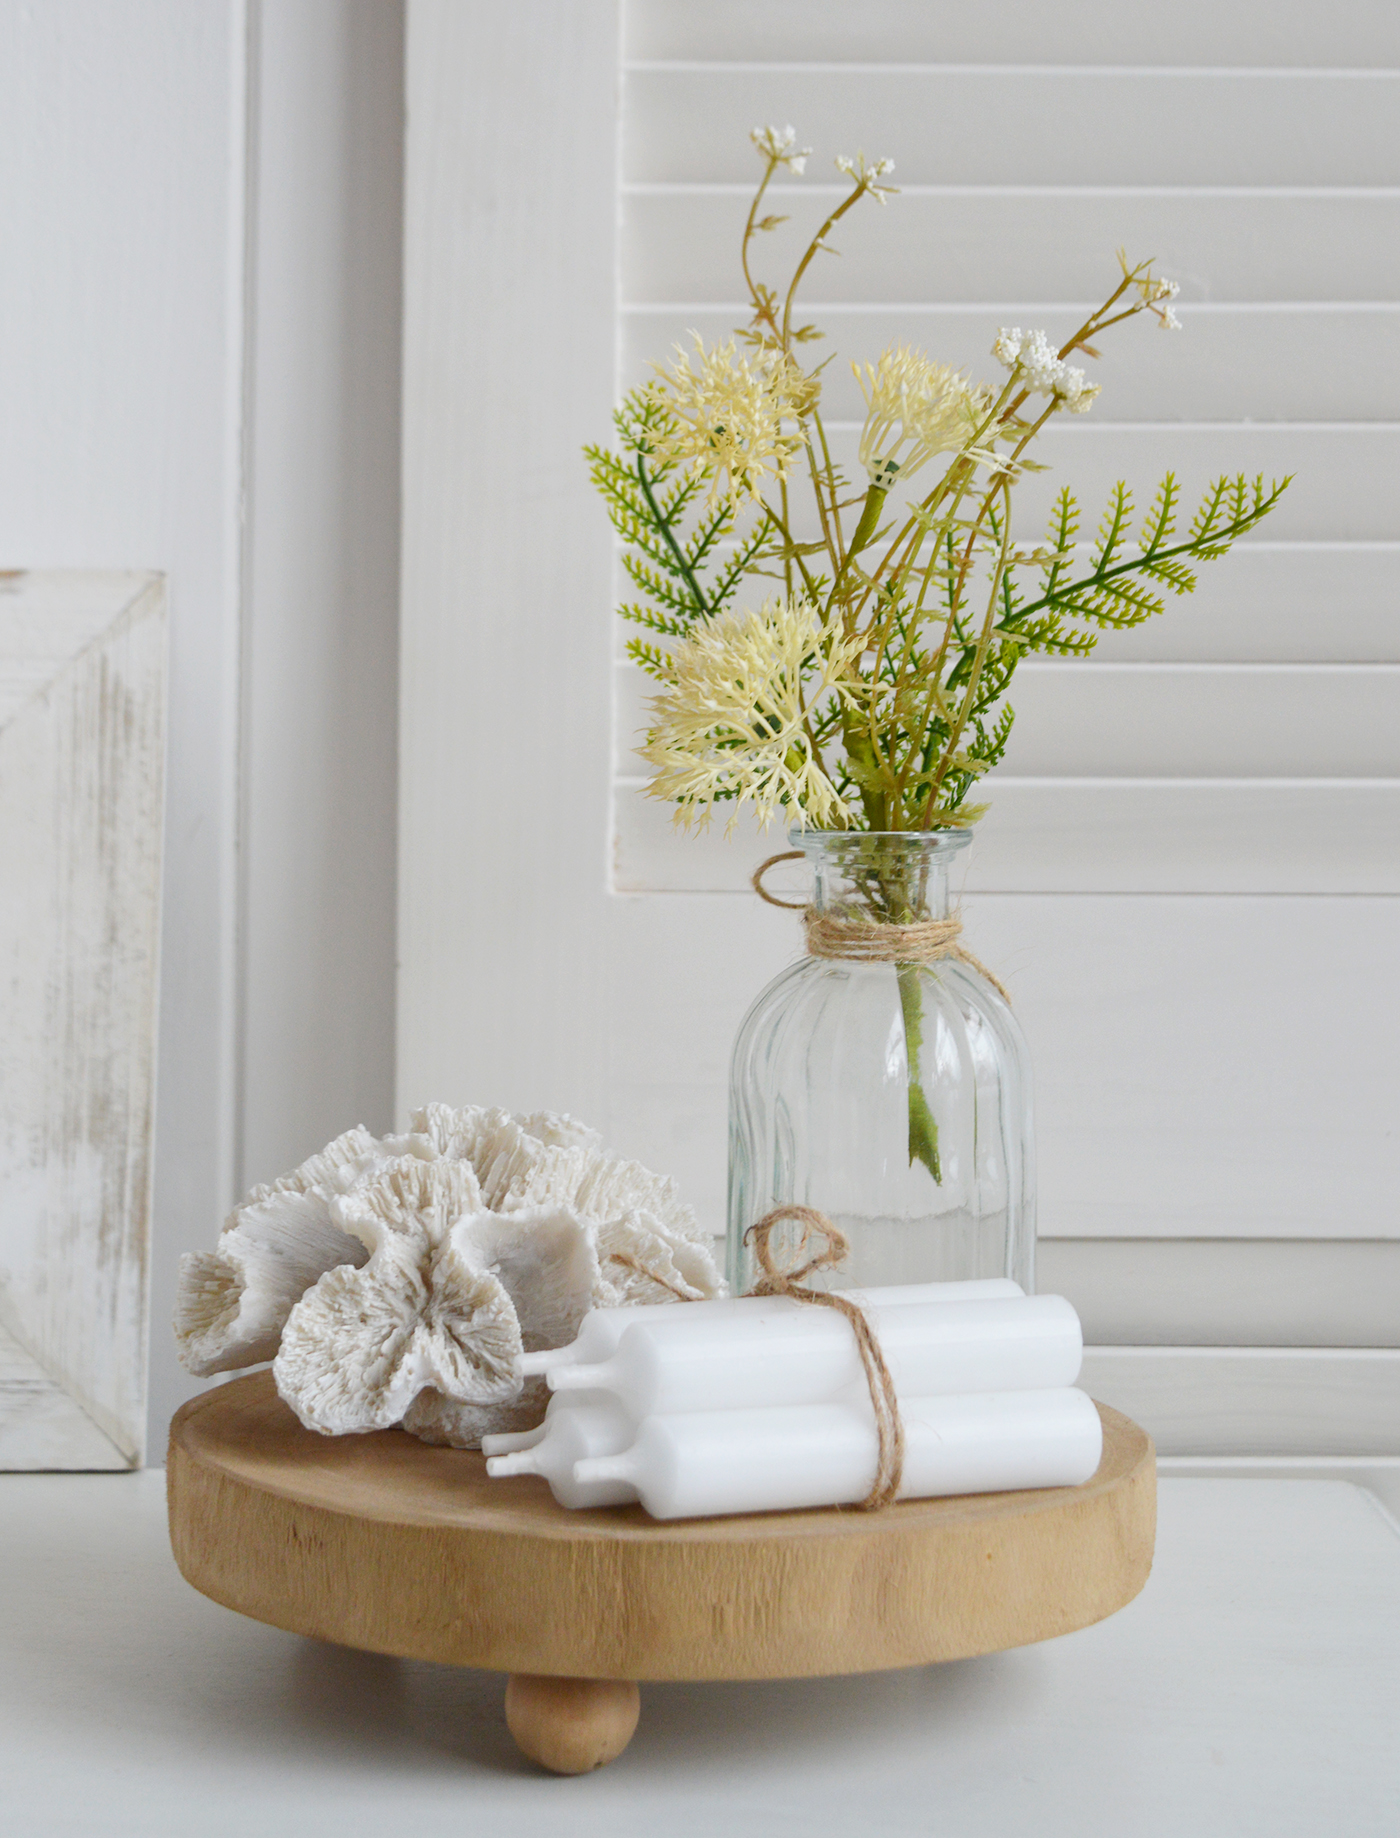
pixel 893 1096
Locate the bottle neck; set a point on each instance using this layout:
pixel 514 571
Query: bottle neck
pixel 898 879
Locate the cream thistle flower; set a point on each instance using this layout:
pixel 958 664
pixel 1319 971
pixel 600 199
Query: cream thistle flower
pixel 777 144
pixel 729 414
pixel 917 409
pixel 732 725
pixel 1041 368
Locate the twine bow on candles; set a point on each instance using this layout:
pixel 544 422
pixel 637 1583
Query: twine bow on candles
pixel 889 1468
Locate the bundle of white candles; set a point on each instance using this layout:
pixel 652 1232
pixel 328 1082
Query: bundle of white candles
pixel 762 1404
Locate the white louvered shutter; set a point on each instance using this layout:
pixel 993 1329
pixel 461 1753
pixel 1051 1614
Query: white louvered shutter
pixel 1189 875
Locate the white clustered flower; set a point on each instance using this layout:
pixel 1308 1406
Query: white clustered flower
pixel 1041 368
pixel 777 143
pixel 865 174
pixel 732 724
pixel 1006 347
pixel 1153 291
pixel 912 400
pixel 1074 389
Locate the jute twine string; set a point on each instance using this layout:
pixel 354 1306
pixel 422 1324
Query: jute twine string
pixel 866 940
pixel 889 1467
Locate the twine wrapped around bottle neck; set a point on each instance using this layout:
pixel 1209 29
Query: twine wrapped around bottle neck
pixel 922 941
pixel 889 1467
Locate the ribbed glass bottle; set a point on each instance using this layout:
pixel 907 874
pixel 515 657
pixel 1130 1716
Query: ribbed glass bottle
pixel 894 1097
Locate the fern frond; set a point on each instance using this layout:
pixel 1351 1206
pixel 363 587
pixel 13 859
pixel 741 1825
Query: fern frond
pixel 1230 507
pixel 712 528
pixel 652 659
pixel 653 620
pixel 1064 527
pixel 742 561
pixel 670 591
pixel 1175 573
pixel 1051 636
pixel 1160 521
pixel 676 498
pixel 1113 526
pixel 1116 601
pixel 988 744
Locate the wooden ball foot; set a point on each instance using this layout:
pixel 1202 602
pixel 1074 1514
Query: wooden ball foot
pixel 571 1725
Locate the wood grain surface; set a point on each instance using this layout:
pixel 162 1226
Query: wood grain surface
pixel 384 1543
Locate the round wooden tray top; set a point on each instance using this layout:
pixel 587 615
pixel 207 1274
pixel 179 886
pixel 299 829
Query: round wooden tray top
pixel 385 1543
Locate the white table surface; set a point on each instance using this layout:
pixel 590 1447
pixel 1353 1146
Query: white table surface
pixel 1253 1688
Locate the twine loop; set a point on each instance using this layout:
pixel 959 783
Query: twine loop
pixel 921 941
pixel 889 1467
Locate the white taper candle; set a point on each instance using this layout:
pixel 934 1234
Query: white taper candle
pixel 689 1359
pixel 700 1463
pixel 511 1442
pixel 602 1328
pixel 566 1438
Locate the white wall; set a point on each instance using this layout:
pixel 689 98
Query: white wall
pixel 320 627
pixel 200 219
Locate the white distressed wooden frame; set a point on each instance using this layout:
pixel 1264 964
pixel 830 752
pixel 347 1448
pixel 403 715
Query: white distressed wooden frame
pixel 523 980
pixel 82 739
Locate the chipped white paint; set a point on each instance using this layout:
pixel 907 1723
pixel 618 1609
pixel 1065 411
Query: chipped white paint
pixel 82 725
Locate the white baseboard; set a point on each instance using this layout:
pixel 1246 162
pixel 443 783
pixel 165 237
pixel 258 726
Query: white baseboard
pixel 1256 1402
pixel 1380 1475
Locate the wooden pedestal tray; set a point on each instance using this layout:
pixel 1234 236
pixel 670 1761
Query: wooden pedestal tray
pixel 384 1543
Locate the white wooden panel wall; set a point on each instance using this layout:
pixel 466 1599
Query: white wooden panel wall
pixel 200 207
pixel 1196 922
pixel 321 556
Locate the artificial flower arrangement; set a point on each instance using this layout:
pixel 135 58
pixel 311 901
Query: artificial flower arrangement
pixel 840 649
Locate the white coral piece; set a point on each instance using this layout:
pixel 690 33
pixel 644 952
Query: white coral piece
pixel 232 1302
pixel 422 1313
pixel 399 1280
pixel 558 1130
pixel 643 1260
pixel 460 1135
pixel 649 1243
pixel 546 1258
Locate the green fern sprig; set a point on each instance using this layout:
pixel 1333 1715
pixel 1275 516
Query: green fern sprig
pixel 677 559
pixel 655 661
pixel 1107 595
